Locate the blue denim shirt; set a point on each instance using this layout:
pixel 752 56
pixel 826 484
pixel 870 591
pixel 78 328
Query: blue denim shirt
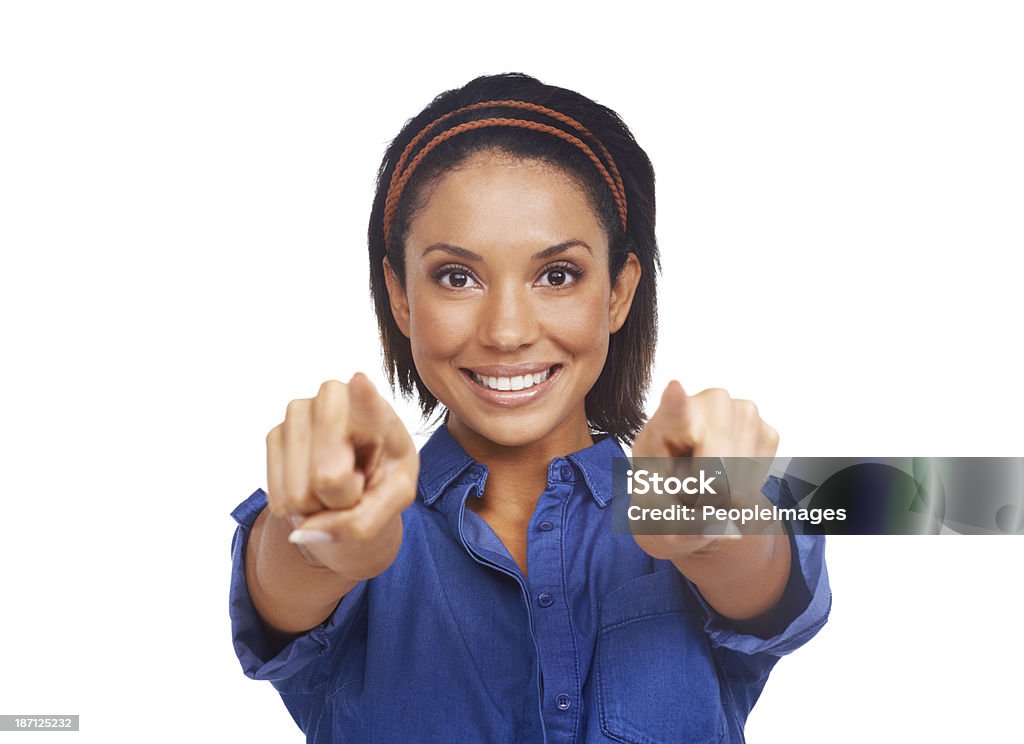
pixel 599 643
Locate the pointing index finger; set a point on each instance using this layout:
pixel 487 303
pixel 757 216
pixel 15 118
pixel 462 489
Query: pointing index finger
pixel 367 415
pixel 676 422
pixel 374 426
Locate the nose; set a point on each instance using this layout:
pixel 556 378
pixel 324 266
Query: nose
pixel 509 318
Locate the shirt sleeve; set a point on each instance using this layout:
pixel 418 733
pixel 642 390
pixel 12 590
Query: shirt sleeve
pixel 303 665
pixel 803 608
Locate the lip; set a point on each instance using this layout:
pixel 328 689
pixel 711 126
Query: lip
pixel 511 398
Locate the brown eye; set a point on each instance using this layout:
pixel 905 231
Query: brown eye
pixel 454 277
pixel 559 276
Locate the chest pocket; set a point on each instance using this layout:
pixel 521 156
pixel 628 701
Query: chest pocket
pixel 656 683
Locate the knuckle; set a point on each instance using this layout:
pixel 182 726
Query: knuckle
pixel 296 407
pixel 405 486
pixel 294 496
pixel 747 408
pixel 329 386
pixel 721 402
pixel 331 402
pixel 327 478
pixel 716 400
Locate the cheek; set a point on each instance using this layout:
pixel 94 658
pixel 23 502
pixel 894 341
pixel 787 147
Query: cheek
pixel 581 325
pixel 438 330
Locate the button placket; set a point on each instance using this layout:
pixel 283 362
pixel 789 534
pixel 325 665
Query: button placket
pixel 554 632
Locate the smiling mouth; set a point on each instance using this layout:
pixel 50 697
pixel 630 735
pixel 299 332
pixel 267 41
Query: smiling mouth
pixel 511 384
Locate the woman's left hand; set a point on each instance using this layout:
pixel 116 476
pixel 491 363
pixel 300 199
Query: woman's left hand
pixel 709 424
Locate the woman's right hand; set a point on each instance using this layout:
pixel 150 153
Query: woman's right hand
pixel 342 468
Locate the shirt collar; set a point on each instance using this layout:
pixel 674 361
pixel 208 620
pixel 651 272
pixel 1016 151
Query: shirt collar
pixel 443 464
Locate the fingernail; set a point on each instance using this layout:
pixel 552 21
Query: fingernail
pixel 729 532
pixel 306 537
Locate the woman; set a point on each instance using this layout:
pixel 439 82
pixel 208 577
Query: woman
pixel 476 591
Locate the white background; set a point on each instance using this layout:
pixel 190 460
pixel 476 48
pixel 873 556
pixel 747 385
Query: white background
pixel 184 193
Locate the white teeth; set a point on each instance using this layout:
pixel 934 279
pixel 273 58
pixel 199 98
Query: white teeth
pixel 520 382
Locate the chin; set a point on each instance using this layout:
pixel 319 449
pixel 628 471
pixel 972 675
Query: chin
pixel 507 431
pixel 519 428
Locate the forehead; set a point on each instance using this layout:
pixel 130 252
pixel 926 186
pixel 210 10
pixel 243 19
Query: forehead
pixel 496 199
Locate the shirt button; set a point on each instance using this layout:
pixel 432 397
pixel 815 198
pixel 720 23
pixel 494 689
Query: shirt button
pixel 545 599
pixel 545 526
pixel 563 701
pixel 566 472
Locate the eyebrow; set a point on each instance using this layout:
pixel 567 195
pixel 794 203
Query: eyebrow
pixel 470 256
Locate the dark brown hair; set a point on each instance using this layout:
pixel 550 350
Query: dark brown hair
pixel 615 403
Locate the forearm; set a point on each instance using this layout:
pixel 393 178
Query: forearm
pixel 289 592
pixel 740 578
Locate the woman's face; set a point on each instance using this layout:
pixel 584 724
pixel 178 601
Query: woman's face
pixel 508 303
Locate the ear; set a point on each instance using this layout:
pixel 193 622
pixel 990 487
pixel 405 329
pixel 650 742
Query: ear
pixel 622 293
pixel 398 299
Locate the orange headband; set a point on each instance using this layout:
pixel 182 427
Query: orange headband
pixel 400 177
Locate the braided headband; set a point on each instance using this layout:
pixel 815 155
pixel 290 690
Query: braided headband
pixel 400 177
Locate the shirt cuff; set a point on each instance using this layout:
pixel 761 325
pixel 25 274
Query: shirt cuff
pixel 803 608
pixel 292 669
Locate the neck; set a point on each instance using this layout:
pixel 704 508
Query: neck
pixel 517 474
